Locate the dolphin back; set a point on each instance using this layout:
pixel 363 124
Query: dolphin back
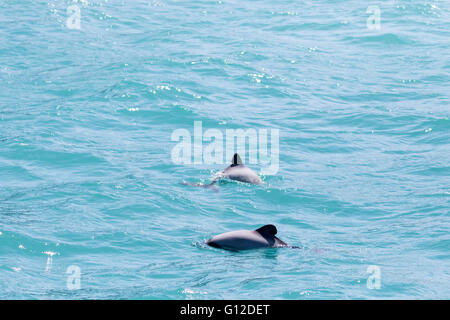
pixel 238 171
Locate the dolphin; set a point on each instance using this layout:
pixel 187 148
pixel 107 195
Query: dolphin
pixel 263 237
pixel 236 171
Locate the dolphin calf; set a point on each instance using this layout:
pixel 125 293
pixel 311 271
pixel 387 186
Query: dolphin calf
pixel 263 237
pixel 236 171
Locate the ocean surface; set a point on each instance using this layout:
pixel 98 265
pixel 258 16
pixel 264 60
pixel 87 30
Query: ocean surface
pixel 92 204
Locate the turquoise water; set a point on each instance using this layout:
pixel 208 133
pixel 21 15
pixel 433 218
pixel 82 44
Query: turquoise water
pixel 87 179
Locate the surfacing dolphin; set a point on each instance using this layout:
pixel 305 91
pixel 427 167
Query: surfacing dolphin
pixel 236 171
pixel 263 237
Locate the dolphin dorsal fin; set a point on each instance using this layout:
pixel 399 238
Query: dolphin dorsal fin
pixel 236 160
pixel 268 229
